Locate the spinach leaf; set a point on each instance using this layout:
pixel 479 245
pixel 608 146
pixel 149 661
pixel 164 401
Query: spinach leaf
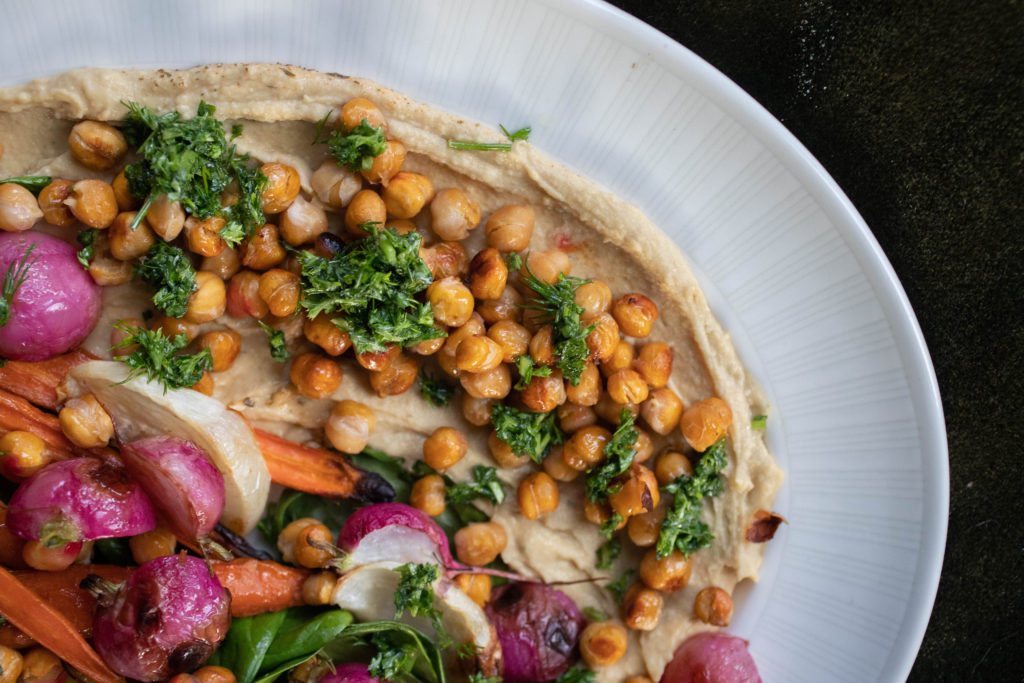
pixel 356 644
pixel 247 642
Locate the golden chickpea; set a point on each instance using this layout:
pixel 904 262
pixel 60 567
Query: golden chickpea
pixel 172 327
pixel 487 274
pixel 107 271
pixel 310 551
pixel 638 494
pixel 51 203
pixel 85 422
pixel 280 289
pixel 366 207
pixel 224 265
pixel 357 110
pixel 661 410
pixel 11 664
pixel 428 347
pixel 283 185
pixel 644 447
pixel 451 301
pixel 713 605
pixel 428 495
pixel 611 412
pixel 603 339
pixel 453 215
pixel 315 376
pixel 670 466
pixel 22 454
pixel 594 297
pixel 403 226
pixel 510 228
pixel 585 448
pixel 635 314
pixel 96 145
pixel 511 337
pixel 705 422
pixel 224 346
pixel 208 301
pixel 159 542
pixel 476 586
pixel 243 297
pixel 638 679
pixel 480 543
pixel 505 307
pixel 397 378
pixel 496 383
pixel 444 447
pixel 644 529
pixel 547 266
pixel 93 203
pixel 318 588
pixel 478 353
pixel 620 359
pixel 166 218
pixel 335 185
pixel 386 164
pixel 376 361
pixel 127 244
pixel 19 209
pixel 322 331
pixel 407 194
pixel 573 417
pixel 556 468
pixel 603 643
pixel 588 391
pixel 654 363
pixel 289 536
pixel 537 495
pixel 477 411
pixel 641 608
pixel 204 385
pixel 627 386
pixel 203 237
pixel 445 259
pixel 669 574
pixel 503 455
pixel 301 222
pixel 599 513
pixel 41 666
pixel 263 249
pixel 544 394
pixel 126 201
pixel 542 346
pixel 349 426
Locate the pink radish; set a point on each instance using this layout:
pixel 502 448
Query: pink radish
pixel 350 673
pixel 712 657
pixel 394 531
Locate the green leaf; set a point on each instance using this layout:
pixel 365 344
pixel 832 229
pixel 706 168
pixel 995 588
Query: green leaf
pixel 86 238
pixel 169 272
pixel 159 358
pixel 759 422
pixel 608 552
pixel 392 660
pixel 619 453
pixel 531 434
pixel 619 586
pixel 528 369
pixel 577 675
pixel 683 529
pixel 32 183
pixel 485 485
pixel 302 633
pixel 277 342
pixel 468 145
pixel 437 391
pixel 354 644
pixel 247 643
pixel 357 148
pixel 293 505
pixel 558 308
pixel 594 614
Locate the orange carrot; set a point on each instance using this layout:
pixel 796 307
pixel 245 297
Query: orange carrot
pixel 259 586
pixel 23 608
pixel 18 414
pixel 313 470
pixel 38 381
pixel 61 590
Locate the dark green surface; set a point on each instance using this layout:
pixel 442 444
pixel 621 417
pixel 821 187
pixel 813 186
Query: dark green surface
pixel 915 108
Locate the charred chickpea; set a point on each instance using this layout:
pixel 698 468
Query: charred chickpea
pixel 603 643
pixel 335 185
pixel 19 209
pixel 376 361
pixel 547 265
pixel 263 249
pixel 544 394
pixel 280 289
pixel 166 217
pixel 505 307
pixel 487 274
pixel 42 666
pixel 224 265
pixel 397 378
pixel 22 454
pixel 126 201
pixel 670 466
pixel 478 353
pixel 635 314
pixel 480 543
pixel 407 194
pixel 445 259
pixel 453 215
pixel 661 410
pixel 349 426
pixel 477 411
pixel 644 447
pixel 357 110
pixel 85 422
pixel 51 203
pixel 513 338
pixel 203 237
pixel 428 495
pixel 638 492
pixel 127 244
pixel 554 465
pixel 496 383
pixel 243 296
pixel 476 586
pixel 366 207
pixel 386 164
pixel 322 331
pixel 327 244
pixel 641 608
pixel 150 545
pixel 204 385
pixel 283 185
pixel 208 301
pixel 594 297
pixel 627 386
pixel 302 222
pixel 537 495
pixel 96 145
pixel 451 301
pixel 713 605
pixel 93 203
pixel 654 363
pixel 585 448
pixel 308 551
pixel 106 270
pixel 603 339
pixel 224 346
pixel 11 664
pixel 172 327
pixel 318 588
pixel 588 391
pixel 572 417
pixel 644 529
pixel 502 453
pixel 510 228
pixel 315 376
pixel 620 359
pixel 610 411
pixel 705 422
pixel 669 574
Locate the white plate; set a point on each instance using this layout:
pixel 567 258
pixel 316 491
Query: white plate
pixel 789 266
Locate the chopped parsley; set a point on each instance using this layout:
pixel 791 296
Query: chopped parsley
pixel 619 454
pixel 14 278
pixel 528 369
pixel 371 287
pixel 619 586
pixel 683 529
pixel 531 434
pixel 169 272
pixel 611 525
pixel 485 485
pixel 32 183
pixel 558 307
pixel 415 595
pixel 276 340
pixel 435 390
pixel 608 552
pixel 759 422
pixel 594 614
pixel 86 238
pixel 357 148
pixel 521 134
pixel 513 261
pixel 478 677
pixel 577 675
pixel 159 358
pixel 391 660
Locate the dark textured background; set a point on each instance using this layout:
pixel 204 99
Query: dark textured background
pixel 915 108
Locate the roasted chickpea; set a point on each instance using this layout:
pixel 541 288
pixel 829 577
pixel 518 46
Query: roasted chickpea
pixel 480 543
pixel 310 551
pixel 38 555
pixel 280 289
pixel 85 422
pixel 611 412
pixel 428 347
pixel 544 394
pixel 670 466
pixel 573 417
pixel 263 250
pixel 407 194
pixel 505 307
pixel 654 363
pixel 637 493
pixel 547 266
pixel 635 314
pixel 511 337
pixel 22 454
pixel 444 447
pixel 166 218
pixel 315 376
pixel 477 411
pixel 204 385
pixel 594 297
pixel 603 339
pixel 357 110
pixel 96 145
pixel 376 361
pixel 11 664
pixel 318 588
pixel 644 447
pixel 349 426
pixel 451 301
pixel 627 386
pixel 283 185
pixel 494 383
pixel 669 574
pixel 41 666
pixel 478 353
pixel 428 495
pixel 403 226
pixel 453 215
pixel 126 201
pixel 638 679
pixel 600 513
pixel 127 244
pixel 476 586
pixel 172 327
pixel 487 274
pixel 556 468
pixel 588 390
pixel 203 237
pixel 243 296
pixel 107 271
pixel 713 605
pixel 705 422
pixel 335 185
pixel 51 203
pixel 397 378
pixel 603 643
pixel 510 228
pixel 662 410
pixel 322 331
pixel 289 536
pixel 620 359
pixel 224 265
pixel 19 209
pixel 92 202
pixel 542 346
pixel 537 495
pixel 445 259
pixel 301 222
pixel 159 542
pixel 386 164
pixel 585 448
pixel 208 301
pixel 641 608
pixel 366 207
pixel 224 346
pixel 644 529
pixel 502 453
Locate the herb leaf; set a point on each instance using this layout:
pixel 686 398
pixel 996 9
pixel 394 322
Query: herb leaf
pixel 759 422
pixel 169 272
pixel 577 675
pixel 357 148
pixel 32 183
pixel 608 552
pixel 528 369
pixel 392 659
pixel 619 454
pixel 521 134
pixel 415 595
pixel 14 278
pixel 611 525
pixel 531 434
pixel 278 346
pixel 86 238
pixel 619 586
pixel 435 390
pixel 158 358
pixel 558 307
pixel 683 529
pixel 485 485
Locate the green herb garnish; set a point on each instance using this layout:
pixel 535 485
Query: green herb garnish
pixel 558 307
pixel 485 485
pixel 14 278
pixel 528 369
pixel 521 134
pixel 531 434
pixel 415 595
pixel 577 675
pixel 357 148
pixel 169 272
pixel 611 525
pixel 32 183
pixel 435 390
pixel 759 422
pixel 619 454
pixel 594 614
pixel 608 552
pixel 86 238
pixel 478 677
pixel 619 586
pixel 159 358
pixel 683 529
pixel 392 659
pixel 276 340
pixel 513 261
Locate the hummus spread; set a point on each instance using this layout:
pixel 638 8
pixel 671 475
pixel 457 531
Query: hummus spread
pixel 607 239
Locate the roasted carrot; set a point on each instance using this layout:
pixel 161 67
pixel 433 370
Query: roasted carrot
pixel 39 620
pixel 61 590
pixel 10 545
pixel 38 381
pixel 18 414
pixel 259 586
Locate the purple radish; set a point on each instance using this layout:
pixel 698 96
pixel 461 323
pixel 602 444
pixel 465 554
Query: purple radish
pixel 393 531
pixel 712 657
pixel 350 673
